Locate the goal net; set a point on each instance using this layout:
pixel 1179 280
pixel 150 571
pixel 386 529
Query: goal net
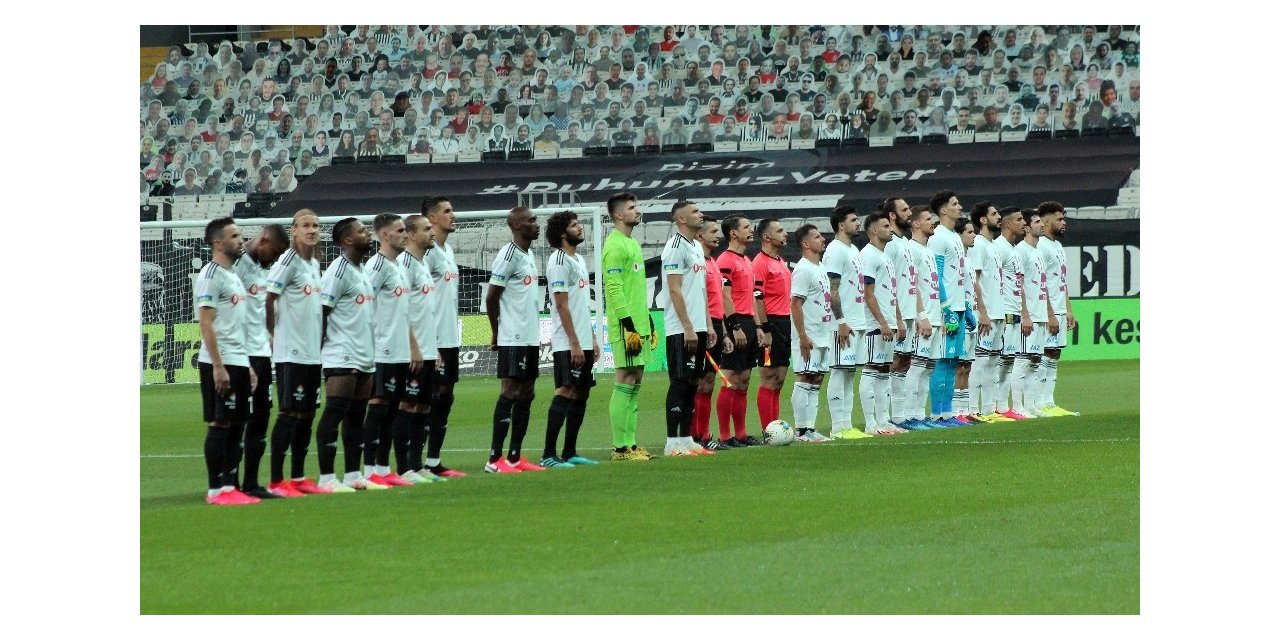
pixel 173 252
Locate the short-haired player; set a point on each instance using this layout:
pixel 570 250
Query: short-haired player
pixel 444 269
pixel 812 327
pixel 687 326
pixel 1017 324
pixel 632 335
pixel 423 298
pixel 1053 217
pixel 842 264
pixel 989 301
pixel 880 292
pixel 1027 384
pixel 904 283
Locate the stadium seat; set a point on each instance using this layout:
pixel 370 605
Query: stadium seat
pixel 656 232
pixel 1118 213
pixel 791 224
pixel 1091 213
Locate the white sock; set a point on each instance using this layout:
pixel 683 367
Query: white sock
pixel 433 462
pixel 325 477
pixel 351 476
pixel 227 487
pixel 1004 383
pixel 213 493
pixel 1041 377
pixel 882 398
pixel 370 470
pixel 839 399
pixel 686 442
pixel 914 405
pixel 978 384
pixel 1018 381
pixel 867 392
pixel 959 398
pixel 383 470
pixel 898 390
pixel 799 404
pixel 672 443
pixel 1051 383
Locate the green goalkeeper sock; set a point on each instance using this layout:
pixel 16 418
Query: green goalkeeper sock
pixel 620 412
pixel 634 416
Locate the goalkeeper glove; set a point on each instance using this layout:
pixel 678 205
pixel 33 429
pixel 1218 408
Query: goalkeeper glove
pixel 630 338
pixel 950 320
pixel 970 320
pixel 653 335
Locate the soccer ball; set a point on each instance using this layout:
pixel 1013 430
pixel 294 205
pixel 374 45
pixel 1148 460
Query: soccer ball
pixel 779 433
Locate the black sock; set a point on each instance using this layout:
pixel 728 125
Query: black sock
pixel 335 409
pixel 353 435
pixel 675 412
pixel 418 440
pixel 435 440
pixel 519 427
pixel 686 418
pixel 386 436
pixel 373 432
pixel 215 451
pixel 231 457
pixel 501 422
pixel 299 443
pixel 280 438
pixel 577 411
pixel 402 432
pixel 255 445
pixel 556 416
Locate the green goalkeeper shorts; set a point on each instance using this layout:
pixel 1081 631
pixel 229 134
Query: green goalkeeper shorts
pixel 622 361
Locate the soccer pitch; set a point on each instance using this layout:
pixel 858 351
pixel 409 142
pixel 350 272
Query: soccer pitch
pixel 1029 517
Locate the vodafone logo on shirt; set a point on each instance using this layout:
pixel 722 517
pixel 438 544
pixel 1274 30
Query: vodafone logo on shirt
pixel 582 284
pixel 253 289
pixel 306 289
pixel 399 291
pixel 361 299
pixel 450 276
pixel 426 289
pixel 528 279
pixel 235 299
pixel 699 268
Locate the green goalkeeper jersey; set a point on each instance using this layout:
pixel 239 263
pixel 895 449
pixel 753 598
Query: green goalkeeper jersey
pixel 624 290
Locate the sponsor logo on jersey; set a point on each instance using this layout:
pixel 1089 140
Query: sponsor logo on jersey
pixel 426 289
pixel 253 289
pixel 450 275
pixel 582 283
pixel 361 299
pixel 235 300
pixel 399 291
pixel 306 289
pixel 699 268
pixel 528 279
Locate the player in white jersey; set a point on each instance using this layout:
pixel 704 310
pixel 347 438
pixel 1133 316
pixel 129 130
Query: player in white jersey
pixel 444 269
pixel 260 254
pixel 948 250
pixel 989 304
pixel 960 397
pixel 1053 217
pixel 812 325
pixel 880 292
pixel 293 320
pixel 346 354
pixel 687 321
pixel 512 307
pixel 396 356
pixel 930 336
pixel 904 283
pixel 842 264
pixel 226 380
pixel 423 311
pixel 1026 385
pixel 1017 321
pixel 569 282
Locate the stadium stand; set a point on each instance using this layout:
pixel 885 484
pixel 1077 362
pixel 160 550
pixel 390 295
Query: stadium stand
pixel 254 118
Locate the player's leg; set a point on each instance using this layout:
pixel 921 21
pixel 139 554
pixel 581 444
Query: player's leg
pixel 1035 383
pixel 221 411
pixel 382 397
pixel 578 413
pixel 960 397
pixel 441 406
pixel 1054 344
pixel 414 412
pixel 769 395
pixel 353 434
pixel 558 411
pixel 902 350
pixel 520 410
pixel 255 434
pixel 293 396
pixel 339 387
pixel 1008 363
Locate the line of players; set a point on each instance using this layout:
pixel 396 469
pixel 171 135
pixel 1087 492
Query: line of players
pixel 376 375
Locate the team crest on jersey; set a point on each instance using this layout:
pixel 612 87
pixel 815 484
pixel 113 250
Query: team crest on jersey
pixel 698 268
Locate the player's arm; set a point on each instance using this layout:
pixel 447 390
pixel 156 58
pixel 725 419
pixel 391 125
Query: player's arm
pixel 873 305
pixel 1048 302
pixel 842 324
pixel 923 326
pixel 674 282
pixel 277 280
pixel 614 275
pixel 984 320
pixel 206 296
pixel 1026 316
pixel 330 291
pixel 557 282
pixel 949 320
pixel 491 299
pixel 739 337
pixel 1071 318
pixel 415 353
pixel 797 316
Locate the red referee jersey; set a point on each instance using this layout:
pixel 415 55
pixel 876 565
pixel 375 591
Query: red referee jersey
pixel 715 290
pixel 775 275
pixel 735 271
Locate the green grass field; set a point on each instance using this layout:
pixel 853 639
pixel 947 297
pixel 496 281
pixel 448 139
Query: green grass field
pixel 1030 517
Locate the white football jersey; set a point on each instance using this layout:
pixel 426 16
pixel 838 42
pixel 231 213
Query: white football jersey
pixel 516 272
pixel 445 271
pixel 877 276
pixel 568 274
pixel 221 290
pixel 1010 265
pixel 1055 271
pixel 982 258
pixel 946 242
pixel 390 309
pixel 844 262
pixel 348 338
pixel 684 258
pixel 809 282
pixel 254 278
pixel 926 266
pixel 424 301
pixel 297 333
pixel 904 274
pixel 1034 281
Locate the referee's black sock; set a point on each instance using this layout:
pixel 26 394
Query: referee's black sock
pixel 353 435
pixel 255 445
pixel 402 433
pixel 519 426
pixel 372 432
pixel 418 439
pixel 556 416
pixel 577 411
pixel 215 451
pixel 501 422
pixel 231 461
pixel 300 442
pixel 280 438
pixel 335 409
pixel 675 412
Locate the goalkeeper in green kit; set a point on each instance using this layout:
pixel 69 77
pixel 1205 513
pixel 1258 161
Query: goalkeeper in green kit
pixel 631 332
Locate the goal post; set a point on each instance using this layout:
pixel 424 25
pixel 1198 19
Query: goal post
pixel 173 251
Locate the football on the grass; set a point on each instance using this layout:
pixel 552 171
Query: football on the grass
pixel 779 434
